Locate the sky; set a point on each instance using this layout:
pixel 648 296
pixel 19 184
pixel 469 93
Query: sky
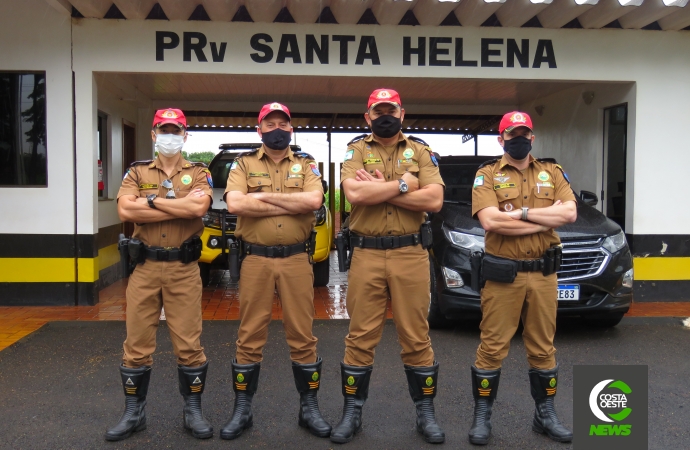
pixel 316 144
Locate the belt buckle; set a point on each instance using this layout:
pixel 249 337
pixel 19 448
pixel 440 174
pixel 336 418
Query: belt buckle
pixel 279 251
pixel 529 265
pixel 387 242
pixel 162 254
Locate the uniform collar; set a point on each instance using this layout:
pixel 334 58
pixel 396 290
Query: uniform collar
pixel 504 161
pixel 370 138
pixel 181 162
pixel 262 151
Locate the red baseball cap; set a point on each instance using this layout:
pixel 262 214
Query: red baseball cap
pixel 270 107
pixel 384 96
pixel 170 115
pixel 514 119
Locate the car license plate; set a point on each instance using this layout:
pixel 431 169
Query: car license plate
pixel 568 292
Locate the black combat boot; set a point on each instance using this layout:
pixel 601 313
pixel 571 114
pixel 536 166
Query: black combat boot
pixel 192 383
pixel 245 379
pixel 136 384
pixel 307 381
pixel 484 390
pixel 422 382
pixel 355 390
pixel 543 385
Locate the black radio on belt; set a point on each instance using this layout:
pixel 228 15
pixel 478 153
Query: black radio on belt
pixel 426 235
pixel 190 250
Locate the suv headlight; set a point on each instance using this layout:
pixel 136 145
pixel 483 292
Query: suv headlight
pixel 466 241
pixel 211 219
pixel 628 279
pixel 615 242
pixel 452 278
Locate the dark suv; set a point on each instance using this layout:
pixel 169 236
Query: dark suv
pixel 595 278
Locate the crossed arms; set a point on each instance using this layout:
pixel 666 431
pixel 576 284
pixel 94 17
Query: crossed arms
pixel 131 208
pixel 538 219
pixel 265 204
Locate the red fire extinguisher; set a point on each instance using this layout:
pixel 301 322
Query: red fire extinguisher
pixel 101 185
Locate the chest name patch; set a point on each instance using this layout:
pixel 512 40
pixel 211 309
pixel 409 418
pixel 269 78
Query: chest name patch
pixel 373 161
pixel 258 174
pixel 148 186
pixel 503 186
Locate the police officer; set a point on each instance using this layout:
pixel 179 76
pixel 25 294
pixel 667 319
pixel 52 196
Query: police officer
pixel 519 200
pixel 391 180
pixel 166 199
pixel 274 193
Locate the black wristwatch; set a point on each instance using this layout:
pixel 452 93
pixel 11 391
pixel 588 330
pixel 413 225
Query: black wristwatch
pixel 403 186
pixel 150 198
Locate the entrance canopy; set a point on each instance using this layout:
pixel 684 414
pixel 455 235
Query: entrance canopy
pixel 626 14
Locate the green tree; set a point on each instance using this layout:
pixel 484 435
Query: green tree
pixel 204 157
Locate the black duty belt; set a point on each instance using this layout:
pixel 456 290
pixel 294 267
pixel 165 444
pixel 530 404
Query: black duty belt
pixel 384 242
pixel 163 253
pixel 530 265
pixel 275 251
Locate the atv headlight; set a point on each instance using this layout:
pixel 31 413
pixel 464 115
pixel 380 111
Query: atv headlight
pixel 615 242
pixel 466 241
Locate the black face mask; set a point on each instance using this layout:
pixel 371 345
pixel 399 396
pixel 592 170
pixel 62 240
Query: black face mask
pixel 518 148
pixel 386 126
pixel 277 139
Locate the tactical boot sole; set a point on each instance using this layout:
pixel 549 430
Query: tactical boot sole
pixel 539 429
pixel 304 424
pixel 229 437
pixel 140 427
pixel 206 435
pixel 479 441
pixel 345 440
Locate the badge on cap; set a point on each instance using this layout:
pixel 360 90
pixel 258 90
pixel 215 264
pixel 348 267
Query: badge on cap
pixel 349 154
pixel 186 179
pixel 383 94
pixel 518 118
pixel 276 106
pixel 169 114
pixel 408 153
pixel 296 168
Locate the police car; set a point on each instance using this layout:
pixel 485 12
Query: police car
pixel 219 225
pixel 595 278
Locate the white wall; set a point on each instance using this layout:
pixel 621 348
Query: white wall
pixel 117 110
pixel 36 37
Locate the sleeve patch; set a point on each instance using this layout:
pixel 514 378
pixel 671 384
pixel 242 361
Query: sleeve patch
pixel 479 181
pixel 315 169
pixel 349 154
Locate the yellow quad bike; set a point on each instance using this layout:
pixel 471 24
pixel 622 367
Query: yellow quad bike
pixel 219 225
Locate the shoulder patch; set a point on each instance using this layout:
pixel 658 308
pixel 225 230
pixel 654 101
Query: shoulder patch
pixel 565 175
pixel 486 163
pixel 358 138
pixel 304 155
pixel 141 163
pixel 548 160
pixel 418 140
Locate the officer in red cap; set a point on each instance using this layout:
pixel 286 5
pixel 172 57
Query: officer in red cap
pixel 165 198
pixel 391 180
pixel 519 201
pixel 274 192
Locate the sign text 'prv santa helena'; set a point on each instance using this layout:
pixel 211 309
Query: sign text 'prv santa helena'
pixel 359 50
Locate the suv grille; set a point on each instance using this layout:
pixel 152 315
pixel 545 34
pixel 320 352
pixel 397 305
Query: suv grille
pixel 580 260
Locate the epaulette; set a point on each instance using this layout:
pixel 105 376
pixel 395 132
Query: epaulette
pixel 248 152
pixel 303 155
pixel 548 160
pixel 358 138
pixel 141 163
pixel 418 140
pixel 486 163
pixel 195 164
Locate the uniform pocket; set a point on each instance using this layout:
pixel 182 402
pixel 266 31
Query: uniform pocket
pixel 258 184
pixel 507 198
pixel 372 168
pixel 294 184
pixel 543 196
pixel 400 169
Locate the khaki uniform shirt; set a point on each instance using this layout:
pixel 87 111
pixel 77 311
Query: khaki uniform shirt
pixel 257 172
pixel 145 178
pixel 407 156
pixel 509 189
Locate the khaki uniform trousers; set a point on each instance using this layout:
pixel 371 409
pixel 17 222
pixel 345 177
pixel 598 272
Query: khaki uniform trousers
pixel 532 298
pixel 294 278
pixel 401 274
pixel 176 286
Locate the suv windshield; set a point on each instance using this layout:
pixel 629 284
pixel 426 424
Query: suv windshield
pixel 459 179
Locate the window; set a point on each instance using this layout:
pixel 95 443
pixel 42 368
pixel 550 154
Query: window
pixel 23 129
pixel 102 155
